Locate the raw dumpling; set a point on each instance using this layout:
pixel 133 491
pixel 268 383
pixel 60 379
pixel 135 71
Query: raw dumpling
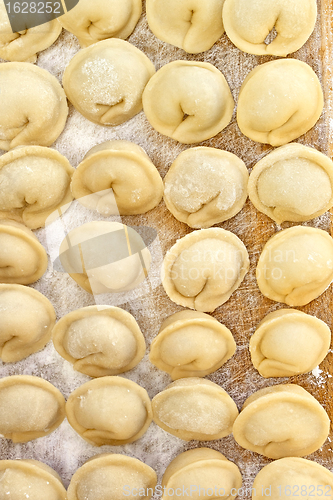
pixel 189 101
pixel 292 183
pixel 22 479
pixel 204 268
pixel 104 257
pixel 282 421
pixel 205 186
pixel 23 259
pixel 112 476
pixel 296 265
pixel 195 408
pixel 101 19
pixel 249 22
pixel 279 101
pixel 117 177
pixel 202 471
pixel 192 25
pixel 293 476
pixel 33 106
pixel 191 344
pixel 27 319
pixel 35 181
pixel 288 342
pixel 109 410
pixel 105 81
pixel 99 340
pixel 30 407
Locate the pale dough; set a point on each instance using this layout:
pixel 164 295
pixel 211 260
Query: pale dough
pixel 282 421
pixel 99 340
pixel 105 81
pixel 117 177
pixel 195 408
pixel 205 186
pixel 296 265
pixel 27 319
pixel 109 410
pixel 279 101
pixel 191 344
pixel 204 268
pixel 292 183
pixel 33 106
pixel 189 101
pixel 288 342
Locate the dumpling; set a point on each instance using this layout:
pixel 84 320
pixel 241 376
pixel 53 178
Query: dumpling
pixel 105 81
pixel 288 342
pixel 27 319
pixel 195 408
pixel 282 421
pixel 249 22
pixel 33 106
pixel 189 24
pixel 293 476
pixel 23 259
pixel 279 101
pixel 202 471
pixel 101 19
pixel 296 265
pixel 105 257
pixel 99 340
pixel 109 410
pixel 117 177
pixel 113 476
pixel 292 183
pixel 204 268
pixel 30 407
pixel 191 344
pixel 35 181
pixel 189 101
pixel 205 186
pixel 22 479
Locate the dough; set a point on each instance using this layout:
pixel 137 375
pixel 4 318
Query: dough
pixel 25 45
pixel 101 19
pixel 204 268
pixel 202 467
pixel 109 410
pixel 105 257
pixel 282 421
pixel 99 340
pixel 33 106
pixel 117 177
pixel 30 407
pixel 35 182
pixel 248 23
pixel 292 183
pixel 22 479
pixel 205 186
pixel 279 101
pixel 23 259
pixel 27 319
pixel 111 476
pixel 189 101
pixel 105 81
pixel 195 408
pixel 296 265
pixel 288 342
pixel 188 24
pixel 191 344
pixel 293 476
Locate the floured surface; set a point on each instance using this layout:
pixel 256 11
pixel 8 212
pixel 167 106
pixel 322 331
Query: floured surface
pixel 64 450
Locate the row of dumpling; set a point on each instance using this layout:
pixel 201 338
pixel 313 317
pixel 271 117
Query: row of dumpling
pixel 197 472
